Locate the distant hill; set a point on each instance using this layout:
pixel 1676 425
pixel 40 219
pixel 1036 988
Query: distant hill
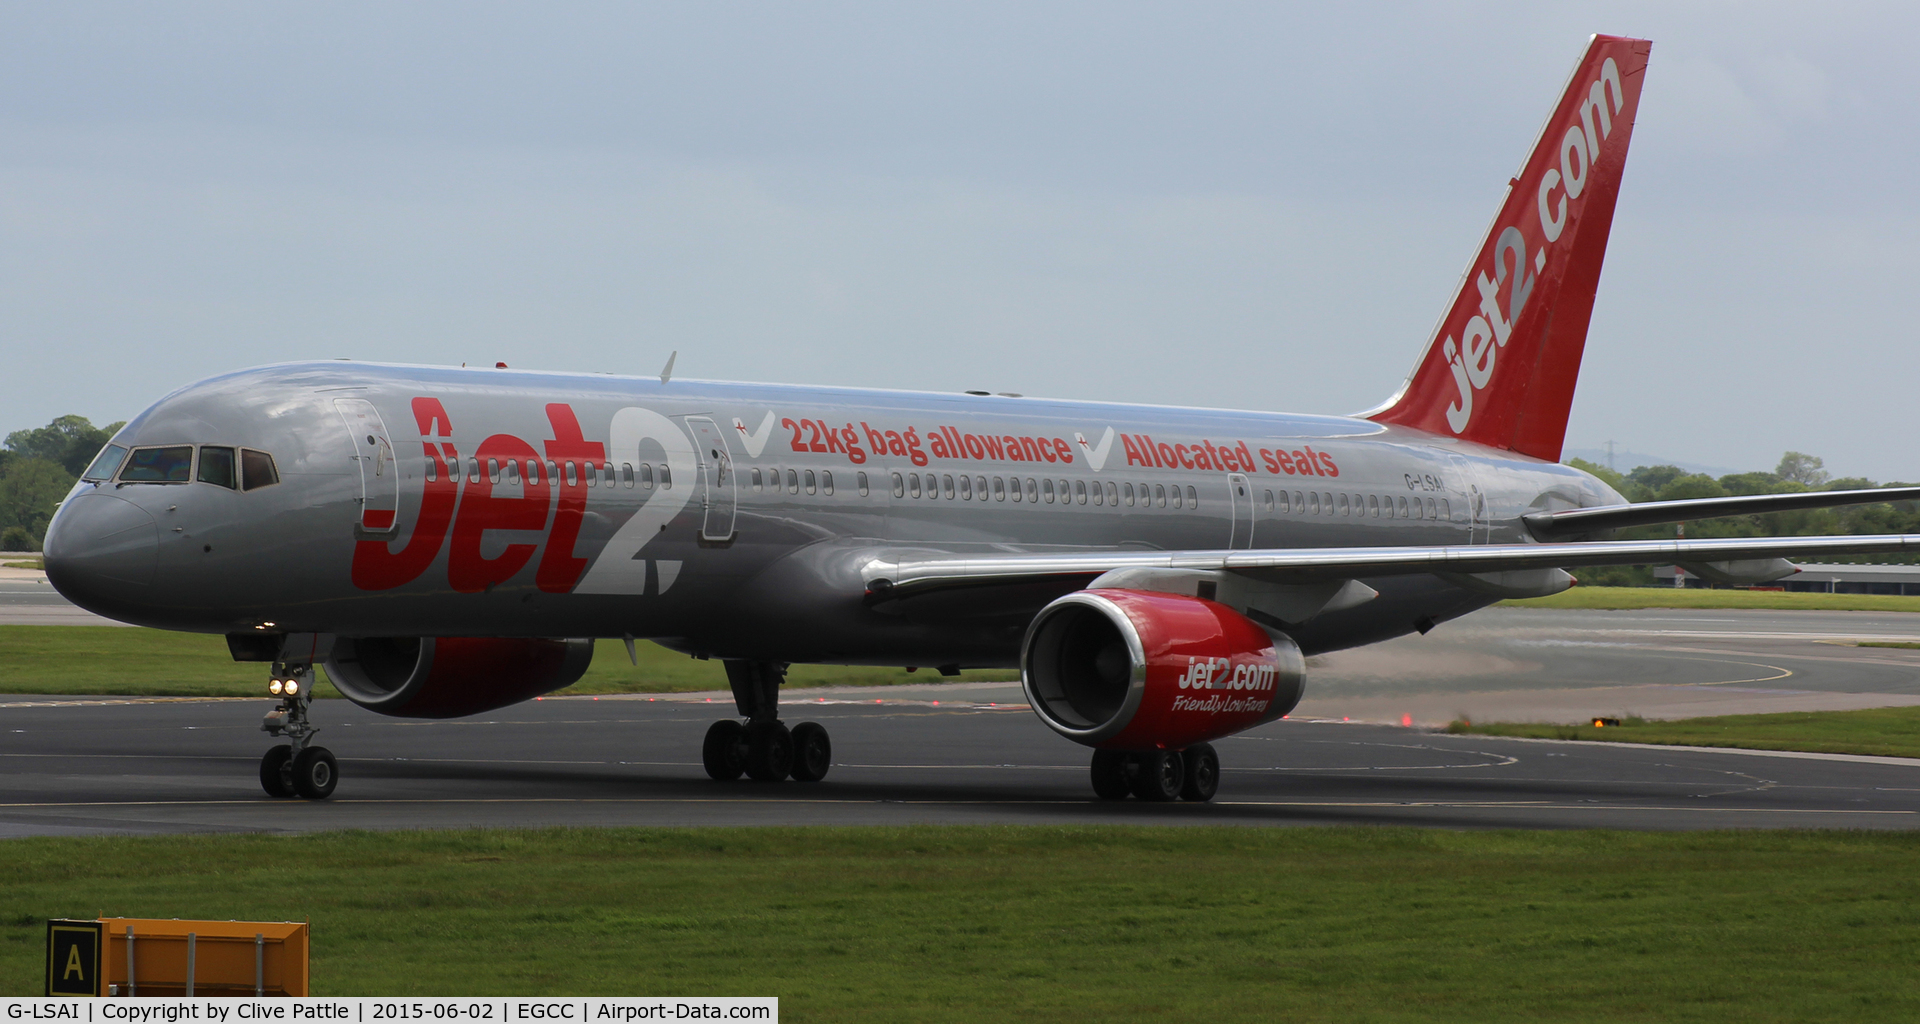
pixel 1626 461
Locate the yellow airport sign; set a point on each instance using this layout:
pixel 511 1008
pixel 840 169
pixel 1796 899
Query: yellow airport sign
pixel 153 957
pixel 73 958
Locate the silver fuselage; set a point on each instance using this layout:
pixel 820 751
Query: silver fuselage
pixel 707 523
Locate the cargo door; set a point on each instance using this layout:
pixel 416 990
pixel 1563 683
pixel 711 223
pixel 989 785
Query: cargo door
pixel 373 455
pixel 1240 496
pixel 719 488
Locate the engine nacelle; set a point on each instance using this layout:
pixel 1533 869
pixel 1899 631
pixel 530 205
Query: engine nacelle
pixel 1142 670
pixel 451 676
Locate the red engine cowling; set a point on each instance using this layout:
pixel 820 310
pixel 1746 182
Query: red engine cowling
pixel 451 676
pixel 1139 670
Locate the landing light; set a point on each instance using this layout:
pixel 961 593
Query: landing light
pixel 293 686
pixel 274 687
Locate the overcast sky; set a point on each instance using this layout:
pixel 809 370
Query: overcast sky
pixel 1242 205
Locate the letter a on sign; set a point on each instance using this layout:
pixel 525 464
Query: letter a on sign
pixel 73 958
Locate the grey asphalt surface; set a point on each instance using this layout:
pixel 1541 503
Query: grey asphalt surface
pixel 146 765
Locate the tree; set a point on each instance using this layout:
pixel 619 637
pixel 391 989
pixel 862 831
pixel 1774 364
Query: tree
pixel 16 538
pixel 28 493
pixel 1655 478
pixel 1800 468
pixel 70 442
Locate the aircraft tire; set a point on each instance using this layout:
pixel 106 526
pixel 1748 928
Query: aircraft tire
pixel 769 752
pixel 1157 775
pixel 1203 773
pixel 724 752
pixel 315 773
pixel 276 771
pixel 812 752
pixel 1110 775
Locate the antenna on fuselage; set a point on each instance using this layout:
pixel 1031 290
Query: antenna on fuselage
pixel 666 372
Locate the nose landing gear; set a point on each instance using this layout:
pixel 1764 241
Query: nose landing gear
pixel 300 768
pixel 763 748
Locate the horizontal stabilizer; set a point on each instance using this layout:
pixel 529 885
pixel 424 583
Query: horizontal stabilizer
pixel 1574 522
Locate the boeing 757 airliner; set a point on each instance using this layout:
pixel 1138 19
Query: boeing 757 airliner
pixel 446 541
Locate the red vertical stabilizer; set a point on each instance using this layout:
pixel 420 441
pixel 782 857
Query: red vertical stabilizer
pixel 1501 367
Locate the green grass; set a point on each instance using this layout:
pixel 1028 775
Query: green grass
pixel 1625 598
pixel 1890 732
pixel 157 663
pixel 31 563
pixel 1056 924
pixel 1896 644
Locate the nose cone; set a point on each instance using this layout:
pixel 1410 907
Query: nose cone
pixel 102 553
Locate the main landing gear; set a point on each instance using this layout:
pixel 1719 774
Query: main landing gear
pixel 299 768
pixel 1159 775
pixel 763 748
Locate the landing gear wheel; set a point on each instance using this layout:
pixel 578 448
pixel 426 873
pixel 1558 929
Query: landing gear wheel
pixel 769 752
pixel 812 752
pixel 1110 775
pixel 1157 775
pixel 1203 773
pixel 276 771
pixel 315 773
pixel 725 751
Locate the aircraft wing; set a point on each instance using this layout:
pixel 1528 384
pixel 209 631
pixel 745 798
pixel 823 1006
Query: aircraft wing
pixel 888 580
pixel 1576 521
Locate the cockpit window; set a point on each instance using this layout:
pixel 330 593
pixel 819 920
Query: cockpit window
pixel 173 465
pixel 256 469
pixel 216 466
pixel 105 464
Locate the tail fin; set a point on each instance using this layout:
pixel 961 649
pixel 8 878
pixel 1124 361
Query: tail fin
pixel 1501 366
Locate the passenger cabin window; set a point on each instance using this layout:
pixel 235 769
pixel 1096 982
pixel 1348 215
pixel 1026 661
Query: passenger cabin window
pixel 826 481
pixel 862 480
pixel 159 466
pixel 257 469
pixel 216 467
pixel 105 464
pixel 899 486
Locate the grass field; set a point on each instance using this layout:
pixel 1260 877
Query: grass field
pixel 1057 924
pixel 1626 598
pixel 157 663
pixel 1889 732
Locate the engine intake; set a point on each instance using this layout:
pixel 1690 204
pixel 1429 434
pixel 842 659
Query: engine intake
pixel 451 676
pixel 1142 670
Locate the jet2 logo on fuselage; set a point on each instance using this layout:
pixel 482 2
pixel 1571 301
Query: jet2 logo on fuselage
pixel 552 498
